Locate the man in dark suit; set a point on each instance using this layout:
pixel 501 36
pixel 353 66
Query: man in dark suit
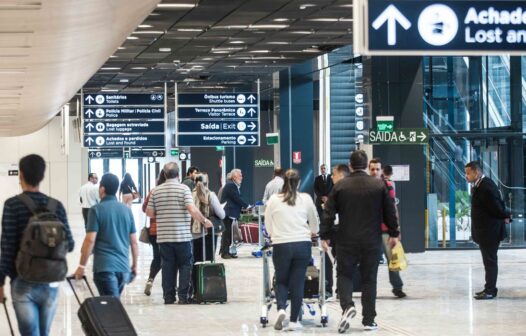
pixel 322 187
pixel 488 216
pixel 231 195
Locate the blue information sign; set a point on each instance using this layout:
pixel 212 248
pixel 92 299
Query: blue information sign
pixel 228 126
pixel 97 113
pixel 155 152
pixel 235 99
pixel 442 27
pixel 213 140
pixel 106 153
pixel 218 112
pixel 123 99
pixel 124 140
pixel 108 127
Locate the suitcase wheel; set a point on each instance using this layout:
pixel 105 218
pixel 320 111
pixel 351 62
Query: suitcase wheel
pixel 263 321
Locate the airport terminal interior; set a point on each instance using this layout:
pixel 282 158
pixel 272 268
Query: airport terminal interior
pixel 128 86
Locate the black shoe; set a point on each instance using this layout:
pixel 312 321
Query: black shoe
pixel 484 296
pixel 170 301
pixel 399 293
pixel 481 292
pixel 233 256
pixel 183 301
pixel 226 256
pixel 370 326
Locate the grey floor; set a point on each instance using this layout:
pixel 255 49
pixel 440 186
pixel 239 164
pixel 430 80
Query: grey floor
pixel 439 285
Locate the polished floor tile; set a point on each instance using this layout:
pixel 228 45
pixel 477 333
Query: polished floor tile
pixel 439 285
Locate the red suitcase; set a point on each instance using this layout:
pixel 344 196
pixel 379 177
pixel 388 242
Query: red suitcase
pixel 250 233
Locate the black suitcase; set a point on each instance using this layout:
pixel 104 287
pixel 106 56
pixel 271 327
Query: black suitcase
pixel 103 315
pixel 209 278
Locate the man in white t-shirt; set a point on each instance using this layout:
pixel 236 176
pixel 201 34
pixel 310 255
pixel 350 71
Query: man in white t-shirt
pixel 89 195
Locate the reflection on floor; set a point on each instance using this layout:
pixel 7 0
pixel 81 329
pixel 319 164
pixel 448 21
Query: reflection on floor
pixel 439 287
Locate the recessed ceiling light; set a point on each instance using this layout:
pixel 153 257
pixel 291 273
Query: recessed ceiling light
pixel 145 26
pixel 260 51
pixel 151 32
pixel 236 42
pixel 323 20
pixel 305 6
pixel 278 43
pixel 281 20
pixel 189 29
pixel 121 48
pixel 268 26
pixel 231 27
pixel 345 20
pixel 346 6
pixel 109 90
pixel 124 80
pixel 220 51
pixel 305 32
pixel 174 5
pixel 311 50
pixel 154 14
pixel 110 68
pixel 165 49
pixel 208 59
pixel 113 56
pixel 139 68
pixel 132 38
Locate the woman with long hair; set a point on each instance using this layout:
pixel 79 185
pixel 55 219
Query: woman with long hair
pixel 126 190
pixel 155 266
pixel 291 220
pixel 208 203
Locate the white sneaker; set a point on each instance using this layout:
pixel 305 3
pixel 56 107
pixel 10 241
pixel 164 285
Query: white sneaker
pixel 293 326
pixel 345 322
pixel 278 325
pixel 148 287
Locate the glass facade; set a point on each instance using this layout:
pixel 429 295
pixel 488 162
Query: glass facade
pixel 475 108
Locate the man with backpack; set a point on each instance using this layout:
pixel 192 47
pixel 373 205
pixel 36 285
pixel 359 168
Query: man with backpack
pixel 25 256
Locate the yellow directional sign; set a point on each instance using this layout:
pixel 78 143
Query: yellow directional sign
pixel 401 136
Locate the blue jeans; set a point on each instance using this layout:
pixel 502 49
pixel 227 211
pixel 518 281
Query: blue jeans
pixel 35 306
pixel 290 264
pixel 111 283
pixel 176 257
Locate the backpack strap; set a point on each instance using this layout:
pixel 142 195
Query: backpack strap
pixel 28 202
pixel 52 205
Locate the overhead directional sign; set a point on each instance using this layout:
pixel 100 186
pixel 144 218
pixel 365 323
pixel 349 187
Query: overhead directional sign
pixel 401 136
pixel 100 153
pixel 415 27
pixel 140 153
pixel 100 99
pixel 218 119
pixel 124 140
pixel 96 113
pixel 106 127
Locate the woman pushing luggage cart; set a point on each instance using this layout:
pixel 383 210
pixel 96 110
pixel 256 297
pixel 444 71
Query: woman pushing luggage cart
pixel 291 220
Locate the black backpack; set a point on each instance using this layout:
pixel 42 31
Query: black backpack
pixel 43 248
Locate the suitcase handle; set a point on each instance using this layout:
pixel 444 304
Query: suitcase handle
pixel 204 244
pixel 8 319
pixel 71 278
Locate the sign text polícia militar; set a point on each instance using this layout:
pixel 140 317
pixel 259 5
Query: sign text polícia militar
pixel 441 27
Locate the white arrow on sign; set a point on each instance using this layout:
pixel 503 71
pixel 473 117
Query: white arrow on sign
pixel 252 126
pixel 89 99
pixel 253 140
pixel 391 15
pixel 89 127
pixel 251 112
pixel 92 154
pixel 422 136
pixel 89 141
pixel 89 113
pixel 251 98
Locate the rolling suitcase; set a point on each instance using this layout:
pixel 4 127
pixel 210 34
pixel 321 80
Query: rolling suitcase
pixel 250 233
pixel 102 315
pixel 209 278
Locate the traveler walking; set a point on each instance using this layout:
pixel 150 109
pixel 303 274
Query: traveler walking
pixel 35 303
pixel 89 195
pixel 375 170
pixel 274 186
pixel 208 203
pixel 362 203
pixel 155 266
pixel 189 180
pixel 110 235
pixel 127 189
pixel 291 220
pixel 488 216
pixel 322 188
pixel 234 203
pixel 171 204
pixel 339 172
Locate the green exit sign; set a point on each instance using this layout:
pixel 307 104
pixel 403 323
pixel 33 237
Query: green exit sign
pixel 272 138
pixel 174 152
pixel 220 148
pixel 401 136
pixel 385 123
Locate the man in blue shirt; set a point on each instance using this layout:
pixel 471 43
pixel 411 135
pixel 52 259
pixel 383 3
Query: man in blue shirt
pixel 110 234
pixel 35 303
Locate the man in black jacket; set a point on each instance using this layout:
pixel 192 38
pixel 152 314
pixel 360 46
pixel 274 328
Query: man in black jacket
pixel 362 203
pixel 488 216
pixel 231 195
pixel 322 187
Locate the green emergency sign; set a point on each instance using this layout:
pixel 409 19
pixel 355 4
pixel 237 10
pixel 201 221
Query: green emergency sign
pixel 401 136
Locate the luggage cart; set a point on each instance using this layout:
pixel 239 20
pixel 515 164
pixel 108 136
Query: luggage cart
pixel 267 293
pixel 260 238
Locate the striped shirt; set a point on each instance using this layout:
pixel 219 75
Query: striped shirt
pixel 169 201
pixel 14 222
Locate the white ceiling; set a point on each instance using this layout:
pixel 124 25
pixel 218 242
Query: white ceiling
pixel 50 48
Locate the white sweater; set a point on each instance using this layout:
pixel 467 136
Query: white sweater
pixel 287 224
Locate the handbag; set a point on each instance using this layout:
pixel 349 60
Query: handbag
pixel 144 236
pixel 398 261
pixel 219 226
